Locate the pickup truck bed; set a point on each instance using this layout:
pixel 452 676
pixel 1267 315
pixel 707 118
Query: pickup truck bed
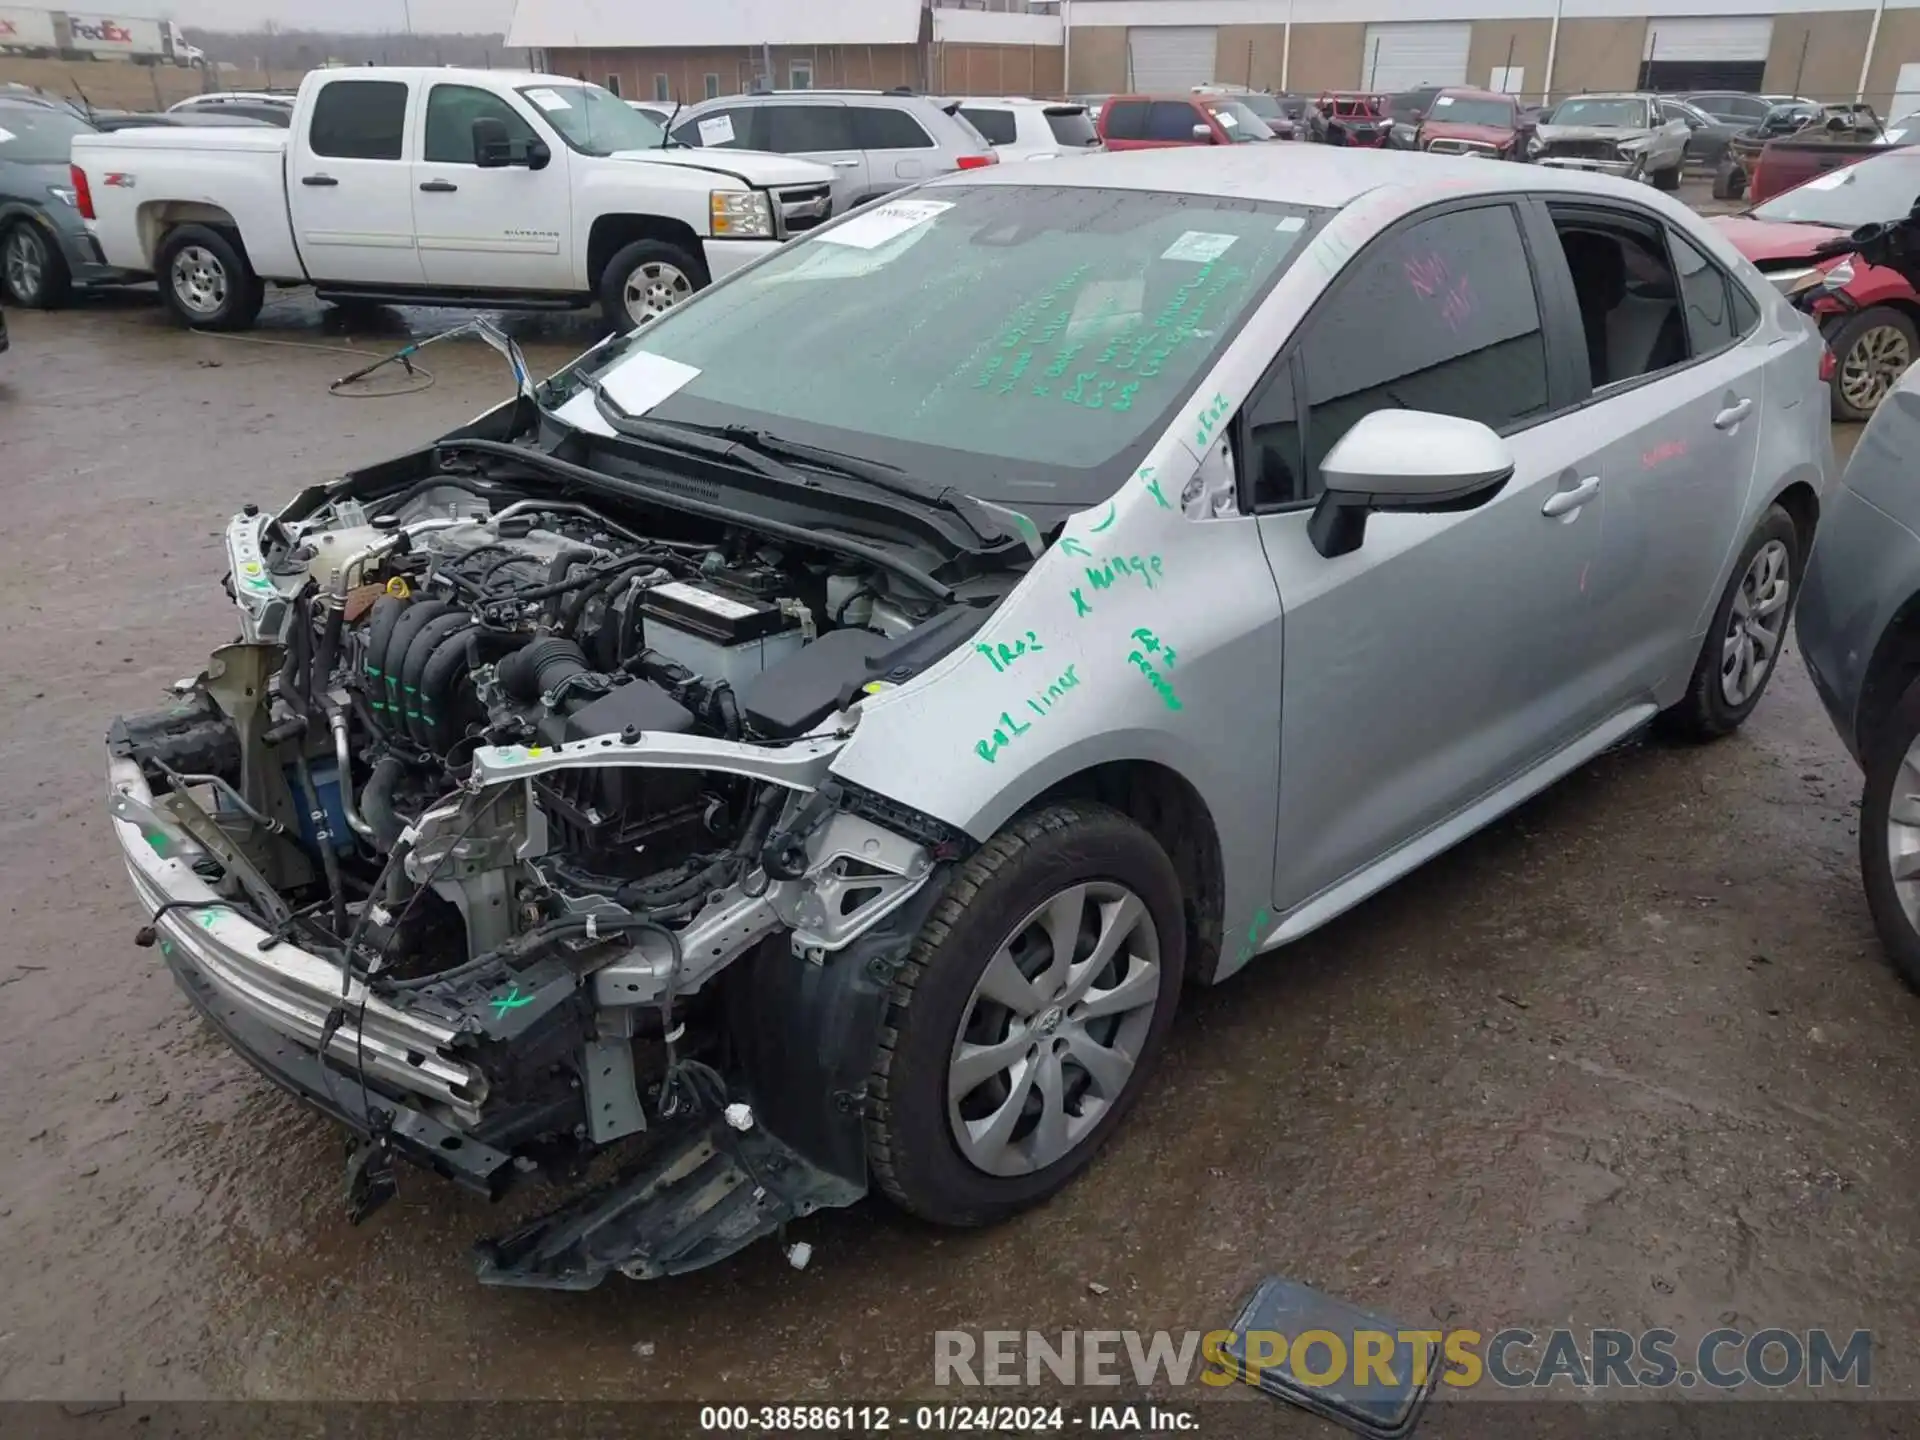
pixel 1758 170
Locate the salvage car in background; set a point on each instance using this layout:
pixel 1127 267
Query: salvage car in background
pixel 496 188
pixel 1622 135
pixel 45 249
pixel 1472 122
pixel 1872 322
pixel 1021 129
pixel 814 751
pixel 1154 122
pixel 1792 146
pixel 1350 118
pixel 1284 114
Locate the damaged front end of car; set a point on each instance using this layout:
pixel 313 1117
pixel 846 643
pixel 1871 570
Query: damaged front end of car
pixel 505 834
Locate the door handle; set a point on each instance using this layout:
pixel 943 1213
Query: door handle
pixel 438 187
pixel 846 164
pixel 1565 502
pixel 1732 415
pixel 318 180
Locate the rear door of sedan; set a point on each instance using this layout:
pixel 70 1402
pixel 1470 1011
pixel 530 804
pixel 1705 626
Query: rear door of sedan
pixel 1675 369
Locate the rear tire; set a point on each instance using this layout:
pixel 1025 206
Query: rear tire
pixel 1746 636
pixel 1870 353
pixel 959 1132
pixel 1893 774
pixel 32 269
pixel 205 280
pixel 648 278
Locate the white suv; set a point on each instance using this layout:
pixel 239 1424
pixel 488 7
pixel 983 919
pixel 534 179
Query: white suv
pixel 1023 129
pixel 875 141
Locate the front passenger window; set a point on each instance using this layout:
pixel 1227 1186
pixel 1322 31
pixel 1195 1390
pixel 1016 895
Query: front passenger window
pixel 451 111
pixel 1439 317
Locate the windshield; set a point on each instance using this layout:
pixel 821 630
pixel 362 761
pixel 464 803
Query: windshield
pixel 1462 110
pixel 37 135
pixel 1265 106
pixel 1023 344
pixel 1071 125
pixel 1882 188
pixel 595 121
pixel 1238 121
pixel 1620 114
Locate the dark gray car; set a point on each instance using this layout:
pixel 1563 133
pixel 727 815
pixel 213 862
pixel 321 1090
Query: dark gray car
pixel 45 249
pixel 1859 631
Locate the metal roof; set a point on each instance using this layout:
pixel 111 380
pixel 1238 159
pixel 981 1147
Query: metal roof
pixel 656 24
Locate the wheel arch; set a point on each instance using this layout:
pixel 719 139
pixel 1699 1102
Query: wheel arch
pixel 613 233
pixel 1894 666
pixel 158 219
pixel 1168 807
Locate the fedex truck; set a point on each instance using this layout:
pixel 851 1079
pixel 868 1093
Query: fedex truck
pixel 93 34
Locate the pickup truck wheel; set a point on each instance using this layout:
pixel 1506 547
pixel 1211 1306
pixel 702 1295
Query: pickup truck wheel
pixel 32 268
pixel 1010 1051
pixel 205 281
pixel 648 278
pixel 1729 181
pixel 1871 352
pixel 1668 180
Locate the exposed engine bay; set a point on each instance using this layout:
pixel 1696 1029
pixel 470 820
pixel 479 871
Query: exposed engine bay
pixel 494 792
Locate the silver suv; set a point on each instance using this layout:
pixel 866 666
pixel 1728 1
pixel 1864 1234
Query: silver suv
pixel 876 142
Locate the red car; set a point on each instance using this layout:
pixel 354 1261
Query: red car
pixel 1874 332
pixel 1154 122
pixel 1472 122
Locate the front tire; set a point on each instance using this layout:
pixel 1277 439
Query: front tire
pixel 648 278
pixel 1025 1022
pixel 1667 180
pixel 1890 835
pixel 32 269
pixel 1729 181
pixel 1871 351
pixel 205 280
pixel 1748 631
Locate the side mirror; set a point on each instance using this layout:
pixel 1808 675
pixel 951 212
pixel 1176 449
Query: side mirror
pixel 538 155
pixel 1409 461
pixel 1203 133
pixel 492 150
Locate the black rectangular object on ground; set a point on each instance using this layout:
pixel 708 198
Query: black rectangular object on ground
pixel 1385 1411
pixel 722 617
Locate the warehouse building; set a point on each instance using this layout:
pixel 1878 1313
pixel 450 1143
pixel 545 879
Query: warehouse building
pixel 690 50
pixel 1827 49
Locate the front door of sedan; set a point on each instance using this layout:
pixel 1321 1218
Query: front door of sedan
pixel 1449 653
pixel 1674 420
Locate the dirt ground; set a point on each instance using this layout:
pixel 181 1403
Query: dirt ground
pixel 1631 1058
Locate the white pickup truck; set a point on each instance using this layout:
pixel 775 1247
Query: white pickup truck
pixel 482 188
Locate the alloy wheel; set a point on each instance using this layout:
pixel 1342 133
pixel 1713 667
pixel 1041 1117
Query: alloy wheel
pixel 199 280
pixel 1757 624
pixel 1050 1036
pixel 1873 365
pixel 655 288
pixel 25 264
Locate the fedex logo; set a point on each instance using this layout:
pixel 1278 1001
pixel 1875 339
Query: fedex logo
pixel 108 32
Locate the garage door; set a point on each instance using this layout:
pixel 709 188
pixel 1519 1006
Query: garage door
pixel 1402 57
pixel 1726 52
pixel 1170 57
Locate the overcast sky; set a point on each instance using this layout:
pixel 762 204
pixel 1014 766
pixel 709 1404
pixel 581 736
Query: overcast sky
pixel 472 16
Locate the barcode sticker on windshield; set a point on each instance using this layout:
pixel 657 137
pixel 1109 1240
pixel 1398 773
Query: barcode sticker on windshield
pixel 1227 118
pixel 1291 224
pixel 1443 101
pixel 716 130
pixel 873 228
pixel 1832 180
pixel 5 135
pixel 1198 245
pixel 549 99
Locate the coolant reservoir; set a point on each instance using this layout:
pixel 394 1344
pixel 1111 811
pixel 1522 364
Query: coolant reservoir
pixel 333 548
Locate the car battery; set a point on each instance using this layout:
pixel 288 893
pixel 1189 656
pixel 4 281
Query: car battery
pixel 717 634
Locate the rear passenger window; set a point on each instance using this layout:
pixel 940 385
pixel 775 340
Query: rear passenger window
pixel 1703 290
pixel 878 127
pixel 359 120
pixel 1172 120
pixel 1455 295
pixel 799 129
pixel 1126 121
pixel 996 125
pixel 1746 313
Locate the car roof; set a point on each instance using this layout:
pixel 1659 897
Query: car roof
pixel 1472 92
pixel 1615 95
pixel 1325 177
pixel 1016 100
